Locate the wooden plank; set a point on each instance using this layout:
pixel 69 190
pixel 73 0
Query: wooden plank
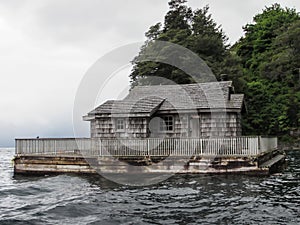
pixel 272 161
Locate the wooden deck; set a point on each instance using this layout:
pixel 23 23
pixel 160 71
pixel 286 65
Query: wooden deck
pixel 254 155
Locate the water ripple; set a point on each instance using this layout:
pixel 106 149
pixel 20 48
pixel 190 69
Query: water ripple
pixel 182 199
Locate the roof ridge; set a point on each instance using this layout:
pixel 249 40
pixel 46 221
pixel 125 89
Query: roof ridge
pixel 192 84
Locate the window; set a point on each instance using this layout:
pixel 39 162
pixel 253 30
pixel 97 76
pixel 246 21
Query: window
pixel 120 124
pixel 166 123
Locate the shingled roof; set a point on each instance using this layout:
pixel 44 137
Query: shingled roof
pixel 146 100
pixel 138 107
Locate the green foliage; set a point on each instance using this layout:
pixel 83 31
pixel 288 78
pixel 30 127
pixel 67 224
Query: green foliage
pixel 270 55
pixel 195 30
pixel 264 64
pixel 260 35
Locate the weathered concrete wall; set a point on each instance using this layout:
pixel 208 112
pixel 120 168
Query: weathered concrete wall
pixel 51 164
pixel 78 164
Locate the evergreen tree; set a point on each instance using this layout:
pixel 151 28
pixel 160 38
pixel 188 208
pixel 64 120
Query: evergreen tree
pixel 260 36
pixel 195 30
pixel 270 54
pixel 264 64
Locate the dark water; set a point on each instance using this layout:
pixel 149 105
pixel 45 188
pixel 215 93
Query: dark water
pixel 66 199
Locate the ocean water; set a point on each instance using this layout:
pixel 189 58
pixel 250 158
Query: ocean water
pixel 182 199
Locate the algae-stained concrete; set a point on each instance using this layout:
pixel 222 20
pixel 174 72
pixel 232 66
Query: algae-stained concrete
pixel 263 164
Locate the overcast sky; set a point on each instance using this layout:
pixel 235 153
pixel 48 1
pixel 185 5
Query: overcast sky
pixel 47 46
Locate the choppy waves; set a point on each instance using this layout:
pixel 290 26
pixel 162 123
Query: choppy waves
pixel 71 199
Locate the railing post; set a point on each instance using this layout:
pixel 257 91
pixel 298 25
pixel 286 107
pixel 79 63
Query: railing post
pixel 148 147
pixel 55 148
pixel 16 147
pixel 100 146
pixel 201 147
pixel 259 144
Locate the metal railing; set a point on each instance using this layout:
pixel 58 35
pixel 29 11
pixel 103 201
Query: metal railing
pixel 233 146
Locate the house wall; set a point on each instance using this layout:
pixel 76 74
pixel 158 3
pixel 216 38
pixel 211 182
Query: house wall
pixel 106 128
pixel 180 127
pixel 206 125
pixel 220 124
pixel 103 128
pixel 184 125
pixel 136 127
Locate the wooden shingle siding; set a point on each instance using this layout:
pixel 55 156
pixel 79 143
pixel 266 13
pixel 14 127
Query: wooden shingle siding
pixel 220 125
pixel 103 128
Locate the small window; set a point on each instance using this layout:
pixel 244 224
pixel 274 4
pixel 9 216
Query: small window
pixel 120 124
pixel 166 124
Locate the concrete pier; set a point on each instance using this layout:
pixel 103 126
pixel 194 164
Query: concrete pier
pixel 263 163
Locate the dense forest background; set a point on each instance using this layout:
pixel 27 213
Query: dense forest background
pixel 264 64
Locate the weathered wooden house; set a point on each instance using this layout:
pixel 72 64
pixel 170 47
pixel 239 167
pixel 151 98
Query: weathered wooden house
pixel 191 110
pixel 192 128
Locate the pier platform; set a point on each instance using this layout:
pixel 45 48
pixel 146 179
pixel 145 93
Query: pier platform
pixel 236 155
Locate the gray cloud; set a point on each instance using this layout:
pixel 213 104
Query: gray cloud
pixel 234 14
pixel 84 23
pixel 46 47
pixel 80 22
pixel 60 126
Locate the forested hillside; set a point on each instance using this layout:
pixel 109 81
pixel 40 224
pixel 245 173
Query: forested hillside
pixel 270 57
pixel 264 64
